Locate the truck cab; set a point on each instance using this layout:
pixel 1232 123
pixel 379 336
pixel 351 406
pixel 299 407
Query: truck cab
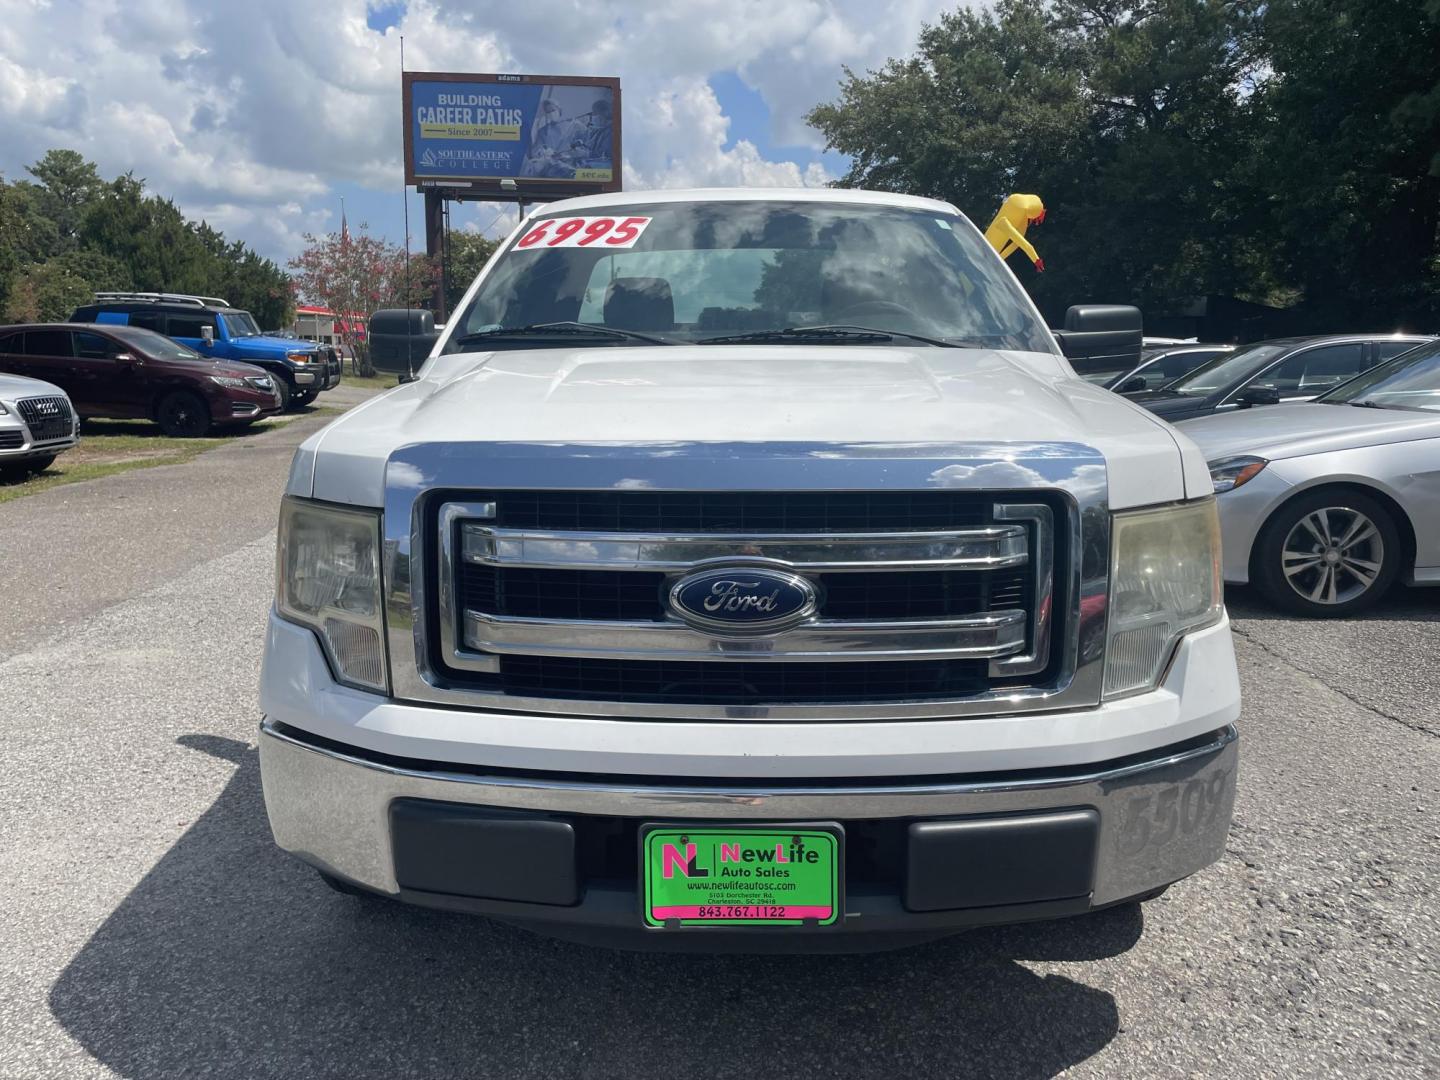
pixel 302 369
pixel 751 570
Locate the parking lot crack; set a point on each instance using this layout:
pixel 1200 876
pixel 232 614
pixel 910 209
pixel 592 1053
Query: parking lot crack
pixel 1412 725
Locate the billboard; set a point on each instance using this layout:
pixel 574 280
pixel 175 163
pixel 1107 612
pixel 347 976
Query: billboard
pixel 551 135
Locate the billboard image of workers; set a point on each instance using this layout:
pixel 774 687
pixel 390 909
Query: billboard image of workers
pixel 496 127
pixel 572 135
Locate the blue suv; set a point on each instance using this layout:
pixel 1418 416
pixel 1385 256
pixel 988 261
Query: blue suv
pixel 210 326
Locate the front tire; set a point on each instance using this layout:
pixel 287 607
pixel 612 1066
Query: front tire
pixel 183 416
pixel 283 389
pixel 1328 554
pixel 37 465
pixel 300 400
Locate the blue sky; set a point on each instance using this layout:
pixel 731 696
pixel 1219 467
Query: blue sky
pixel 261 117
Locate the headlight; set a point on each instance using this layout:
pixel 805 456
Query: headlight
pixel 3 409
pixel 328 578
pixel 1164 582
pixel 226 380
pixel 1227 474
pixel 300 357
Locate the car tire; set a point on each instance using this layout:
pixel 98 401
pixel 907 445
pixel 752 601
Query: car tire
pixel 37 465
pixel 283 389
pixel 1327 554
pixel 183 415
pixel 299 401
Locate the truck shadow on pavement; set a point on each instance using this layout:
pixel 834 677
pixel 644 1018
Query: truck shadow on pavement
pixel 229 959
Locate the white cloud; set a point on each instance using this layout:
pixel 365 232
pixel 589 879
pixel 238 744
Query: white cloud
pixel 248 114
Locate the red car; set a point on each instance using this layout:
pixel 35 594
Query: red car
pixel 125 372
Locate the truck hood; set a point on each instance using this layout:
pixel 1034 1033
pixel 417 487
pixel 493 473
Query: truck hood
pixel 266 345
pixel 1287 431
pixel 727 394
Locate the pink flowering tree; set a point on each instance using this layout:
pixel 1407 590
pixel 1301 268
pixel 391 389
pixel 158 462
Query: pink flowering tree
pixel 355 274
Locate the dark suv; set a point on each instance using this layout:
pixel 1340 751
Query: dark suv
pixel 129 373
pixel 210 326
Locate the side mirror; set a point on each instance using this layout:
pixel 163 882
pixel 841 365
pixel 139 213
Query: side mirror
pixel 125 359
pixel 1129 386
pixel 1100 337
pixel 1258 395
pixel 207 335
pixel 400 339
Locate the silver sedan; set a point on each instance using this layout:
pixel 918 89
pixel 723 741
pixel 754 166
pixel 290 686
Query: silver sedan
pixel 1325 504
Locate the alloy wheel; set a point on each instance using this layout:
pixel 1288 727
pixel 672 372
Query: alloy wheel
pixel 1332 555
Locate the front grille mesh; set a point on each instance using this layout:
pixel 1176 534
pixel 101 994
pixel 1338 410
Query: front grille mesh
pixel 741 682
pixel 739 512
pixel 47 417
pixel 636 595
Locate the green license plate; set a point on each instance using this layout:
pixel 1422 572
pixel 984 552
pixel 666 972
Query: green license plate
pixel 761 875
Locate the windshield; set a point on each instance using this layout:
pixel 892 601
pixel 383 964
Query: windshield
pixel 155 346
pixel 692 272
pixel 240 324
pixel 1409 381
pixel 1225 371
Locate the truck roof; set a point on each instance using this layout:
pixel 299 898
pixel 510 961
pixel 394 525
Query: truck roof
pixel 783 194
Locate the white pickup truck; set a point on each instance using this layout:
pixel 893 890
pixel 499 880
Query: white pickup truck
pixel 750 570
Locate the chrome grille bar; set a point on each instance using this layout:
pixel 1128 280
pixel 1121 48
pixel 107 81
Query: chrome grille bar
pixel 995 634
pixel 988 548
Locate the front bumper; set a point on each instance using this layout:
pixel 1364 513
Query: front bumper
pixel 1162 815
pixel 16 443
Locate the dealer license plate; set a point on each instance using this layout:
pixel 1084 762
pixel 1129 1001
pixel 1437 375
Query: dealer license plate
pixel 751 876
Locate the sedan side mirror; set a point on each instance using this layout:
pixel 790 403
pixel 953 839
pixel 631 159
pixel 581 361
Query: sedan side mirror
pixel 125 359
pixel 1259 395
pixel 1130 386
pixel 1101 337
pixel 207 335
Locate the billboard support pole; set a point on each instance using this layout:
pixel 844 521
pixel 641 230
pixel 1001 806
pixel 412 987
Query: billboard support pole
pixel 435 247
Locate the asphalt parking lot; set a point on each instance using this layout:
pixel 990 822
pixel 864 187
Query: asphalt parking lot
pixel 150 928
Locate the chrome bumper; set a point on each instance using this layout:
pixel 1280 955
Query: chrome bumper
pixel 1163 815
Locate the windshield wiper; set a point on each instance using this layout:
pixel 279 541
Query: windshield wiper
pixel 567 328
pixel 1362 404
pixel 818 335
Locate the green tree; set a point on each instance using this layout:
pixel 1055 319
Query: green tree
pixel 1353 156
pixel 467 253
pixel 1124 117
pixel 45 292
pixel 355 274
pixel 67 184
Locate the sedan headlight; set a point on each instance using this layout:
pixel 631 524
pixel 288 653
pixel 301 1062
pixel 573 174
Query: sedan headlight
pixel 226 380
pixel 300 357
pixel 1164 582
pixel 3 409
pixel 328 578
pixel 1227 474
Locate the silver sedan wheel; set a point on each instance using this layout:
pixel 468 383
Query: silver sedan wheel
pixel 1332 555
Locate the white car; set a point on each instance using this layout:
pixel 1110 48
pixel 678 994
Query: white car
pixel 750 569
pixel 1326 504
pixel 37 423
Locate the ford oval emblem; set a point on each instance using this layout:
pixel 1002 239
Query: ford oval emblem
pixel 743 600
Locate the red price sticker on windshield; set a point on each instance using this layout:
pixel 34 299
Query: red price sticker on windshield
pixel 600 232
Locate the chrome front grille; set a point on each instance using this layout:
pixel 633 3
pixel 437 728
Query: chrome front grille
pixel 1055 491
pixel 48 418
pixel 959 603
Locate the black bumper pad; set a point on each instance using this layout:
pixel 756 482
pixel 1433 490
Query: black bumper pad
pixel 992 861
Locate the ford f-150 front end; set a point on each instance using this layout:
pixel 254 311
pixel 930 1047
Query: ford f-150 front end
pixel 749 570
